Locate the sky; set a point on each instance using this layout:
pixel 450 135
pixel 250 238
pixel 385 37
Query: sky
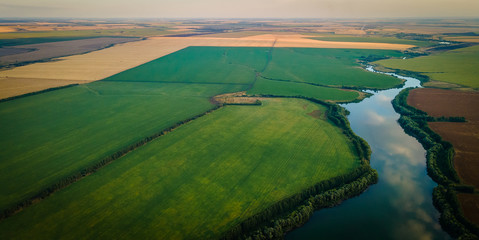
pixel 239 8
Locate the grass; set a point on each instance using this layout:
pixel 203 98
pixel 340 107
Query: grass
pixel 201 65
pixel 199 180
pixel 373 39
pixel 268 87
pixel 49 136
pixel 236 151
pixel 456 66
pixel 331 67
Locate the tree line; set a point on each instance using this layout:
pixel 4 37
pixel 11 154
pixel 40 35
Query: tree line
pixel 294 211
pixel 300 214
pixel 74 177
pixel 439 157
pixel 38 92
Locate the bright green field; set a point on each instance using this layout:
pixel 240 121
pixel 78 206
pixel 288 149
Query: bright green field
pixel 199 180
pixel 268 87
pixel 201 65
pixel 460 66
pixel 332 67
pixel 373 39
pixel 49 136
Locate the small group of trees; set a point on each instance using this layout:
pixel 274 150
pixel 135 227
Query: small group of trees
pixel 440 167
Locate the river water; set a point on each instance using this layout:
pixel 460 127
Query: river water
pixel 400 205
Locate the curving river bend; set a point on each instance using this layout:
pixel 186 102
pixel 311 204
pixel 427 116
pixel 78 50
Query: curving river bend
pixel 400 205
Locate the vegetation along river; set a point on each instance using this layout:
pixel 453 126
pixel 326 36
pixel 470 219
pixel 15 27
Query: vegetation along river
pixel 400 205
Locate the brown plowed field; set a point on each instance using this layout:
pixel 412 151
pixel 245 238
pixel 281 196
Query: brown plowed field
pixel 470 206
pixel 463 136
pixel 440 102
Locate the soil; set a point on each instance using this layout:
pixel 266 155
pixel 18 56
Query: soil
pixel 470 206
pixel 49 50
pixel 449 103
pixel 464 136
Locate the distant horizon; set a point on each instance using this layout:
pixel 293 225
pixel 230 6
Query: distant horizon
pixel 227 9
pixel 240 18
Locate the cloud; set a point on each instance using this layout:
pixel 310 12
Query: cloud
pixel 373 118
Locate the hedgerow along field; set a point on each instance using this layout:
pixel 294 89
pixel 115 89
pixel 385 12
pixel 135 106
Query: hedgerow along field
pixel 457 66
pixel 199 180
pixel 48 137
pixel 283 88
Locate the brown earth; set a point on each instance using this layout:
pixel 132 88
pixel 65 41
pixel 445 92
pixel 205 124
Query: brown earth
pixel 463 136
pixel 234 98
pixel 440 102
pixel 470 206
pixel 465 139
pixel 65 26
pixel 42 51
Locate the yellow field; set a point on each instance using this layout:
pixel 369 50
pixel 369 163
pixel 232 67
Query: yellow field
pixel 10 87
pixel 106 62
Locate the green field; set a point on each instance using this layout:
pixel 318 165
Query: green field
pixel 52 135
pixel 373 39
pixel 269 87
pixel 199 180
pixel 245 153
pixel 330 67
pixel 201 65
pixel 48 137
pixel 458 66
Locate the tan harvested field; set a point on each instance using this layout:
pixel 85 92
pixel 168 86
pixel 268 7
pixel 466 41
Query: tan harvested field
pixel 463 136
pixel 106 62
pixel 68 26
pixel 289 40
pixel 5 29
pixel 42 51
pixel 472 39
pixel 10 87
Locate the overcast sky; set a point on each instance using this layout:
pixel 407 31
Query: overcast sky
pixel 239 8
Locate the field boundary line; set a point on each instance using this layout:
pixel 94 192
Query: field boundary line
pixel 38 92
pixel 77 176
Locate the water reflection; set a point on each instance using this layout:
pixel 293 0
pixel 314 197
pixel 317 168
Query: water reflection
pixel 400 205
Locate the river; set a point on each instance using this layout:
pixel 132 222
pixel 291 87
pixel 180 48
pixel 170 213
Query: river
pixel 400 205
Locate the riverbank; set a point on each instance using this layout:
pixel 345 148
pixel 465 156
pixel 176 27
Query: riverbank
pixel 440 167
pixel 400 205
